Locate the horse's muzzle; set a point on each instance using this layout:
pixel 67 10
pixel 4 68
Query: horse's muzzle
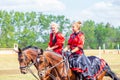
pixel 23 70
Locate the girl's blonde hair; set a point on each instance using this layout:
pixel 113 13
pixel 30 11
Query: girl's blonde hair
pixel 78 24
pixel 55 24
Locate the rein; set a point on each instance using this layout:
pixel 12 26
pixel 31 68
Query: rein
pixel 28 67
pixel 55 65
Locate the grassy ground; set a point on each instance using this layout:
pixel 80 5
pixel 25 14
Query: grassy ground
pixel 9 67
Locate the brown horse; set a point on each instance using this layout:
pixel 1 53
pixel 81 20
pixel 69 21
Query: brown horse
pixel 52 61
pixel 27 57
pixel 55 64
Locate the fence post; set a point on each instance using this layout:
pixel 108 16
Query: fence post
pixel 118 48
pixel 16 47
pixel 99 52
pixel 103 48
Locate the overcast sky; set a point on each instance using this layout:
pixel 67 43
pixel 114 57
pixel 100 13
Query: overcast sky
pixel 97 10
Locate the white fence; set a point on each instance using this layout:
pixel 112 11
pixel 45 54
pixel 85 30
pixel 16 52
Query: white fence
pixel 6 51
pixel 114 51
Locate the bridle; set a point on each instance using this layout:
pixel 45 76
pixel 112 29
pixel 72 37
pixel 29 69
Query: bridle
pixel 24 59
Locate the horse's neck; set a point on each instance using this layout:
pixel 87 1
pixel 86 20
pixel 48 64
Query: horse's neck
pixel 33 57
pixel 53 58
pixel 57 62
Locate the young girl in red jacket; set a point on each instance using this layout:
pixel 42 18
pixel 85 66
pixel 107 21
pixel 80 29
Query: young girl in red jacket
pixel 56 39
pixel 77 59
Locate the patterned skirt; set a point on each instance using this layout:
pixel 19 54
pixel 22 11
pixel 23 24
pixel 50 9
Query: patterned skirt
pixel 80 64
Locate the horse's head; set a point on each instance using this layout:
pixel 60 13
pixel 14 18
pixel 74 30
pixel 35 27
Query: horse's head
pixel 26 57
pixel 23 61
pixel 43 65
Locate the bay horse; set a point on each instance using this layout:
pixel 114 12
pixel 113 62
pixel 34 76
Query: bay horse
pixel 27 57
pixel 52 61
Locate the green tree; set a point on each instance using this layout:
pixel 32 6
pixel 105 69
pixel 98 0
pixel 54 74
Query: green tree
pixel 88 28
pixel 7 30
pixel 31 28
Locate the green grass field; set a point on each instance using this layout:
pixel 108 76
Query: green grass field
pixel 9 67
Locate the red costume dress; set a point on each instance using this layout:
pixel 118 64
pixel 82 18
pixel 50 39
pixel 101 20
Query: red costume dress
pixel 78 61
pixel 76 40
pixel 57 41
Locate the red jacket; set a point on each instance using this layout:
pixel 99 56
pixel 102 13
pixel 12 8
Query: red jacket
pixel 76 40
pixel 58 40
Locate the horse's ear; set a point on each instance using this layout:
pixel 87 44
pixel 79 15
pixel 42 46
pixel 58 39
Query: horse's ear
pixel 40 51
pixel 18 50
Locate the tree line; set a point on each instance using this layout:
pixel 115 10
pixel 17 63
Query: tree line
pixel 32 28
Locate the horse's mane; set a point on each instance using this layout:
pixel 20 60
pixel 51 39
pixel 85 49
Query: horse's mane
pixel 33 47
pixel 53 53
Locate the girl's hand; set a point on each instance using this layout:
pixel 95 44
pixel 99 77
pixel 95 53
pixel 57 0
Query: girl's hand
pixel 48 48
